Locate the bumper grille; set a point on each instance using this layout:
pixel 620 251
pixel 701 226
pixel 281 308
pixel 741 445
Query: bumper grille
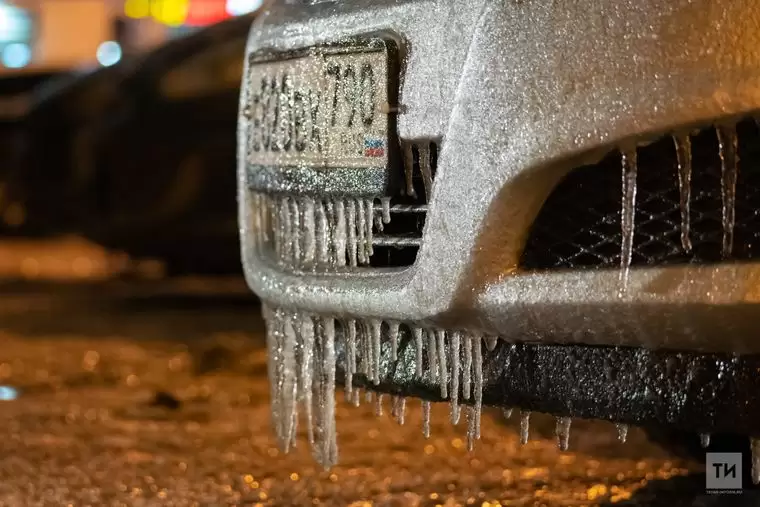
pixel 579 225
pixel 334 232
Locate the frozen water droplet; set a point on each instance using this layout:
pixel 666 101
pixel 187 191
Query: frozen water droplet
pixel 477 381
pixel 418 344
pixel 704 439
pixel 755 446
pixel 376 328
pixel 563 432
pixel 729 158
pixel 628 213
pixel 524 426
pixel 339 235
pixel 467 372
pixel 409 170
pixel 491 342
pixel 385 202
pixel 471 432
pixel 622 430
pixel 443 374
pixel 683 155
pixel 426 170
pixel 507 413
pixel 426 419
pixel 309 231
pixel 456 338
pixel 351 228
pixel 393 332
pixel 350 354
pixel 323 238
pixel 432 354
pixel 379 405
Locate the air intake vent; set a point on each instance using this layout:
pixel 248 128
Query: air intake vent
pixel 334 232
pixel 579 225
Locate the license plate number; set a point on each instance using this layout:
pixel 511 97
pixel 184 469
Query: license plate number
pixel 326 107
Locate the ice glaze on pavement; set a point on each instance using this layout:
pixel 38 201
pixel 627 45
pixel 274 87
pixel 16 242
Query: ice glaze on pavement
pixel 155 393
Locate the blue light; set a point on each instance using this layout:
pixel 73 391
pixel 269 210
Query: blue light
pixel 239 7
pixel 109 53
pixel 16 55
pixel 8 393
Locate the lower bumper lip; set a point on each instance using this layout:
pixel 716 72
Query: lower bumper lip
pixel 700 392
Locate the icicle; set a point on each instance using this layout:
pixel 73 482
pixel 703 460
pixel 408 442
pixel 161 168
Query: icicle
pixel 323 237
pixel 417 332
pixel 683 155
pixel 755 446
pixel 456 338
pixel 622 430
pixel 409 170
pixel 274 213
pixel 350 355
pixel 368 395
pixel 289 384
pixel 432 354
pixel 365 338
pixel 491 342
pixel 524 426
pixel 393 332
pixel 326 448
pixel 398 409
pixel 275 370
pixel 628 212
pixel 507 413
pixel 361 230
pixel 477 360
pixel 471 431
pixel 369 209
pixel 295 220
pixel 339 237
pixel 288 230
pixel 704 440
pixel 425 169
pixel 379 405
pixel 309 231
pixel 385 203
pixel 356 397
pixel 351 229
pixel 443 373
pixel 426 419
pixel 375 326
pixel 729 158
pixel 467 373
pixel 307 366
pixel 563 432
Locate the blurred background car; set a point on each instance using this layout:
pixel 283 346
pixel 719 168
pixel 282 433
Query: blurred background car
pixel 140 156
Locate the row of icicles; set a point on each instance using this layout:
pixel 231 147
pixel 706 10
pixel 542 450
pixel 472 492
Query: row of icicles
pixel 330 232
pixel 728 150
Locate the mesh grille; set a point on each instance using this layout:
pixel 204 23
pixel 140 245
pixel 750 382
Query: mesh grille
pixel 579 224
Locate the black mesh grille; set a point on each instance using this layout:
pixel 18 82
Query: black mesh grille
pixel 579 224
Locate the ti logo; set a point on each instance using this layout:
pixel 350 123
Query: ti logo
pixel 723 471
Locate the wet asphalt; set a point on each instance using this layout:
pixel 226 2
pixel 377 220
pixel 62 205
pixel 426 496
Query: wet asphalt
pixel 155 392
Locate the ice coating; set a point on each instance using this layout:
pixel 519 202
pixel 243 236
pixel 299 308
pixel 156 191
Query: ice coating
pixel 628 212
pixel 683 155
pixel 302 369
pixel 729 158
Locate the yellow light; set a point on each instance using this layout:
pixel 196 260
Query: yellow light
pixel 169 12
pixel 137 8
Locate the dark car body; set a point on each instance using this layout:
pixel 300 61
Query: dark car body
pixel 140 156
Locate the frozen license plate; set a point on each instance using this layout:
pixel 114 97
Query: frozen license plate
pixel 322 107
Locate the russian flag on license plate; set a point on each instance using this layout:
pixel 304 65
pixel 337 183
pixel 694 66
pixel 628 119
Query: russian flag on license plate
pixel 374 147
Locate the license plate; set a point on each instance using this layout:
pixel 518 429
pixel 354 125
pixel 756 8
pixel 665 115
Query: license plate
pixel 322 107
